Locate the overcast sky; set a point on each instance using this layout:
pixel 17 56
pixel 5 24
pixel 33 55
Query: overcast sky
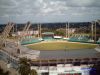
pixel 21 11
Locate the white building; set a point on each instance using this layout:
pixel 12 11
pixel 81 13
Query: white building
pixel 62 69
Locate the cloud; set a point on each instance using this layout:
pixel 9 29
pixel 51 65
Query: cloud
pixel 83 2
pixel 54 7
pixel 49 10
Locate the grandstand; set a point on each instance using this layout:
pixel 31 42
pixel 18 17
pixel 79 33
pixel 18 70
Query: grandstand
pixel 48 62
pixel 79 38
pixel 30 41
pixel 48 35
pixel 98 41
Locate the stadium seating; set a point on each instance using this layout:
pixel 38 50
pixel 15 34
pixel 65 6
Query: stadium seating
pixel 79 38
pixel 30 41
pixel 48 38
pixel 98 42
pixel 51 38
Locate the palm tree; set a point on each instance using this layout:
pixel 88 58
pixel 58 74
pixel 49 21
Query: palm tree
pixel 24 67
pixel 33 72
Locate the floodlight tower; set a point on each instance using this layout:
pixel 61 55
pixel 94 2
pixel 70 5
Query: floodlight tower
pixel 98 21
pixel 95 37
pixel 39 31
pixel 24 31
pixel 67 29
pixel 95 29
pixel 92 30
pixel 5 33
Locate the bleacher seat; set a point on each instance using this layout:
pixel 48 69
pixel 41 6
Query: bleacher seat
pixel 98 42
pixel 30 41
pixel 79 38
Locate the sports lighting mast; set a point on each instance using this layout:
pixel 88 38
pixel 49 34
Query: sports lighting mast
pixel 66 30
pixel 5 33
pixel 40 31
pixel 24 31
pixel 95 32
pixel 92 31
pixel 98 21
pixel 95 22
pixel 27 29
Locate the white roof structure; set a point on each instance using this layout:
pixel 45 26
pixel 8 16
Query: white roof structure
pixel 57 37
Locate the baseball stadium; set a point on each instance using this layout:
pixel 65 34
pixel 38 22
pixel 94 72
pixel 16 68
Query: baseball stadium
pixel 64 49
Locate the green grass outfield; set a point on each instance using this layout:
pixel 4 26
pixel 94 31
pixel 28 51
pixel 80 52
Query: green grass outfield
pixel 60 46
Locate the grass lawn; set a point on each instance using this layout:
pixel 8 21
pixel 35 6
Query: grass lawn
pixel 60 46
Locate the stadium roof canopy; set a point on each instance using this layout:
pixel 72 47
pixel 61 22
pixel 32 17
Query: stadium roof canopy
pixel 48 33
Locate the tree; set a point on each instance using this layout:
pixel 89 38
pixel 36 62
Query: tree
pixel 24 67
pixel 33 72
pixel 60 32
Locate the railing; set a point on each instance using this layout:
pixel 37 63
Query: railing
pixel 66 61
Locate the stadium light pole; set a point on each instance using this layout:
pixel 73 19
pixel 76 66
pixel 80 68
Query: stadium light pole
pixel 97 21
pixel 66 30
pixel 92 25
pixel 95 32
pixel 38 30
